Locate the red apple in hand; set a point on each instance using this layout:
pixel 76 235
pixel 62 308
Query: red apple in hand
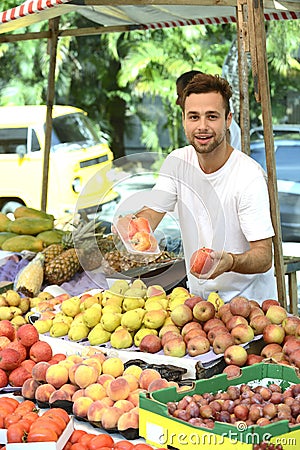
pixel 201 261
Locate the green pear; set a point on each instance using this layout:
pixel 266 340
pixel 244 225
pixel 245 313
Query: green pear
pixel 121 338
pixel 154 318
pixel 135 292
pixel 92 316
pixel 142 332
pixel 110 321
pixel 131 320
pixel 98 335
pixel 78 332
pixel 138 283
pixel 119 287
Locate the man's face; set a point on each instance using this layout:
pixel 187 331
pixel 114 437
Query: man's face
pixel 204 121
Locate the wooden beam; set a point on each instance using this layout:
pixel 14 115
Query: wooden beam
pixel 262 93
pixel 52 51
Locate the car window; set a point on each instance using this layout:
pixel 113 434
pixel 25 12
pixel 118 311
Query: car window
pixel 74 128
pixel 288 162
pixel 11 138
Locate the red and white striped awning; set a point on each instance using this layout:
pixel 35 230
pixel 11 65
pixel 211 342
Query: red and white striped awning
pixel 135 14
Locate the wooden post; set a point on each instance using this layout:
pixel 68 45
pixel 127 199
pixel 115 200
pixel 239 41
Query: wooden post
pixel 262 93
pixel 243 47
pixel 52 48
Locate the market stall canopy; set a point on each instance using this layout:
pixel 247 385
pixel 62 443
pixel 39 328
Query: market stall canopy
pixel 141 14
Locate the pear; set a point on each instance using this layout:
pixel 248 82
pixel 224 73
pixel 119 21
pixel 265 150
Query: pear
pixel 156 291
pixel 17 321
pixel 43 326
pixel 35 301
pixel 24 305
pixel 87 303
pixel 110 321
pixel 60 317
pixel 179 292
pixel 6 313
pixel 150 305
pixel 216 300
pixel 132 303
pixel 12 298
pixel 91 316
pixel 78 332
pixel 138 283
pixel 15 310
pixel 131 320
pixel 78 319
pixel 98 335
pixel 110 298
pixel 59 329
pixel 71 307
pixel 176 302
pixel 135 292
pixel 3 302
pixel 154 318
pixel 142 332
pixel 119 287
pixel 112 309
pixel 45 296
pixel 121 338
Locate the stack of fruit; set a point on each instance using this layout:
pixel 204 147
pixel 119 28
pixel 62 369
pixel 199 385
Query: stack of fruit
pixel 179 324
pixel 99 388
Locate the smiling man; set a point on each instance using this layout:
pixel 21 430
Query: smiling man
pixel 221 197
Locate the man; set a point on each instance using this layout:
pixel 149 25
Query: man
pixel 234 132
pixel 221 196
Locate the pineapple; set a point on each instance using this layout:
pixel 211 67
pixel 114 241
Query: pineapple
pixel 80 247
pixel 52 251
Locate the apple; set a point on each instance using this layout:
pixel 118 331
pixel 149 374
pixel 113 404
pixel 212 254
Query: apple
pixel 270 349
pixel 203 311
pixel 240 306
pixel 242 333
pixel 235 354
pixel 198 345
pixel 253 359
pixel 232 371
pixel 294 358
pixel 194 332
pixel 255 312
pixel 273 333
pixel 234 321
pixel 297 332
pixel 267 303
pixel 290 325
pixel 181 315
pixel 150 344
pixel 201 261
pixel 276 314
pixel 191 302
pixel 212 323
pixel 175 347
pixel 213 333
pixel 258 323
pixel 189 326
pixel 291 345
pixel 222 341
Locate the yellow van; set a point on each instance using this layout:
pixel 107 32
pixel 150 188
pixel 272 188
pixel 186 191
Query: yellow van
pixel 79 154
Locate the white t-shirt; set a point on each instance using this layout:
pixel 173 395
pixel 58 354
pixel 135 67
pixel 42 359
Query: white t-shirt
pixel 224 210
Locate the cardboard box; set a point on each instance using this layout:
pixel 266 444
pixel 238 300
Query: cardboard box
pixel 162 430
pixel 59 445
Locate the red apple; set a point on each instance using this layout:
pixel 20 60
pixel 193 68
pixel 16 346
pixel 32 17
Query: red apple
pixel 267 303
pixel 203 311
pixel 240 306
pixel 273 333
pixel 201 261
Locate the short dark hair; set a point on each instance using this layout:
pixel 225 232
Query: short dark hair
pixel 186 77
pixel 204 83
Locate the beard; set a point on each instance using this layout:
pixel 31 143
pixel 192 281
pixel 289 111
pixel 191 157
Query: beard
pixel 215 142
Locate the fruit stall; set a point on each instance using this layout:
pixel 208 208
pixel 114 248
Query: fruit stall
pixel 92 360
pixel 130 364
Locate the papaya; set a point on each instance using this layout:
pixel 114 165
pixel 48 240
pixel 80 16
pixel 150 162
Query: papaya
pixel 23 242
pixel 4 222
pixel 4 235
pixel 30 225
pixel 25 211
pixel 50 237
